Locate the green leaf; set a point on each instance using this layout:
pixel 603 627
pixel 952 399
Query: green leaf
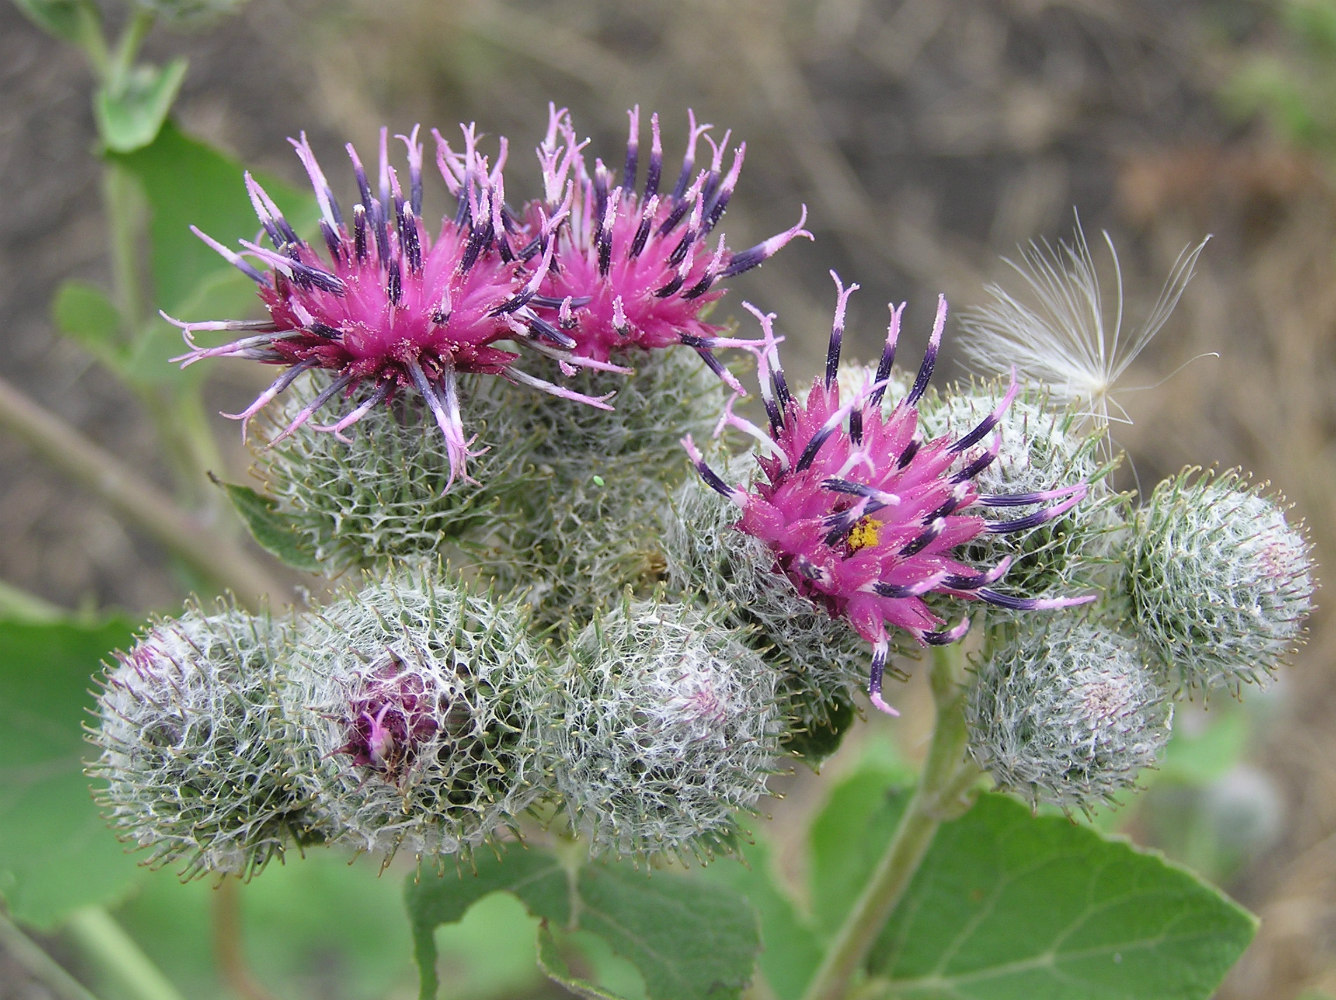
pixel 187 182
pixel 272 529
pixel 56 853
pixel 848 838
pixel 130 117
pixel 63 19
pixel 84 313
pixel 686 937
pixel 1009 905
pixel 553 964
pixel 536 877
pixel 790 948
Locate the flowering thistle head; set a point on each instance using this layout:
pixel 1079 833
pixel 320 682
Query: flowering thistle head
pixel 392 308
pixel 1067 714
pixel 862 513
pixel 642 260
pixel 664 726
pixel 1220 582
pixel 411 707
pixel 1059 332
pixel 192 745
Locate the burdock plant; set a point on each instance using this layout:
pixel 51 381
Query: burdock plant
pixel 568 643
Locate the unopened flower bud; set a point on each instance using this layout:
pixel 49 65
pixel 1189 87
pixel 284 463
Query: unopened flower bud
pixel 665 726
pixel 412 702
pixel 1220 582
pixel 192 749
pixel 1067 714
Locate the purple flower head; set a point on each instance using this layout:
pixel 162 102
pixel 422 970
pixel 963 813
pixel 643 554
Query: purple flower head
pixel 389 719
pixel 642 261
pixel 392 307
pixel 861 513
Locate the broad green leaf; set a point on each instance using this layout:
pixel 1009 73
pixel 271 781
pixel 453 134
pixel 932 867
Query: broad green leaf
pixel 686 937
pixel 129 118
pixel 553 964
pixel 271 528
pixel 84 313
pixel 1010 905
pixel 56 853
pixel 790 948
pixel 536 877
pixel 187 182
pixel 67 20
pixel 848 838
pixel 689 938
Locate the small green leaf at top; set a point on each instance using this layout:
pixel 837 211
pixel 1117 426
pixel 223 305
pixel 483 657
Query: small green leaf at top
pixel 130 117
pixel 1008 905
pixel 56 853
pixel 187 182
pixel 273 531
pixel 689 939
pixel 67 20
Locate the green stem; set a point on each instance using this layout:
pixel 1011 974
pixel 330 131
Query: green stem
pixel 946 780
pixel 130 494
pixel 116 955
pixel 42 966
pixel 123 59
pixel 123 203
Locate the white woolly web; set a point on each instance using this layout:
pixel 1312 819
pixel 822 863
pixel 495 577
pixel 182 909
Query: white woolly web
pixel 1059 332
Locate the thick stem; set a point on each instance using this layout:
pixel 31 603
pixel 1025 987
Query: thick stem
pixel 946 778
pixel 115 954
pixel 134 498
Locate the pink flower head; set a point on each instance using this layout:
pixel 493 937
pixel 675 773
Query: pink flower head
pixel 861 513
pixel 392 307
pixel 642 262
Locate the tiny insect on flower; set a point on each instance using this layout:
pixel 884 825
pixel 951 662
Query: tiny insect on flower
pixel 865 516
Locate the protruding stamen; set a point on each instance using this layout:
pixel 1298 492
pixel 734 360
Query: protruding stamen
pixel 837 330
pixel 929 356
pixel 763 251
pixel 933 532
pixel 711 478
pixel 881 650
pixel 989 422
pixel 887 356
pixel 632 150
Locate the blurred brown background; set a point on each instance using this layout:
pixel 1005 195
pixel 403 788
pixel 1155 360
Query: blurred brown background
pixel 926 138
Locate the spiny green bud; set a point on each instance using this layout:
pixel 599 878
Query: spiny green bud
pixel 1040 448
pixel 412 703
pixel 1066 714
pixel 192 748
pixel 377 490
pixel 597 499
pixel 1220 582
pixel 665 725
pixel 821 661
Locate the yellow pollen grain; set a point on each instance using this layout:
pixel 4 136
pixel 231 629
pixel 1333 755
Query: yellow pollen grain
pixel 864 533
